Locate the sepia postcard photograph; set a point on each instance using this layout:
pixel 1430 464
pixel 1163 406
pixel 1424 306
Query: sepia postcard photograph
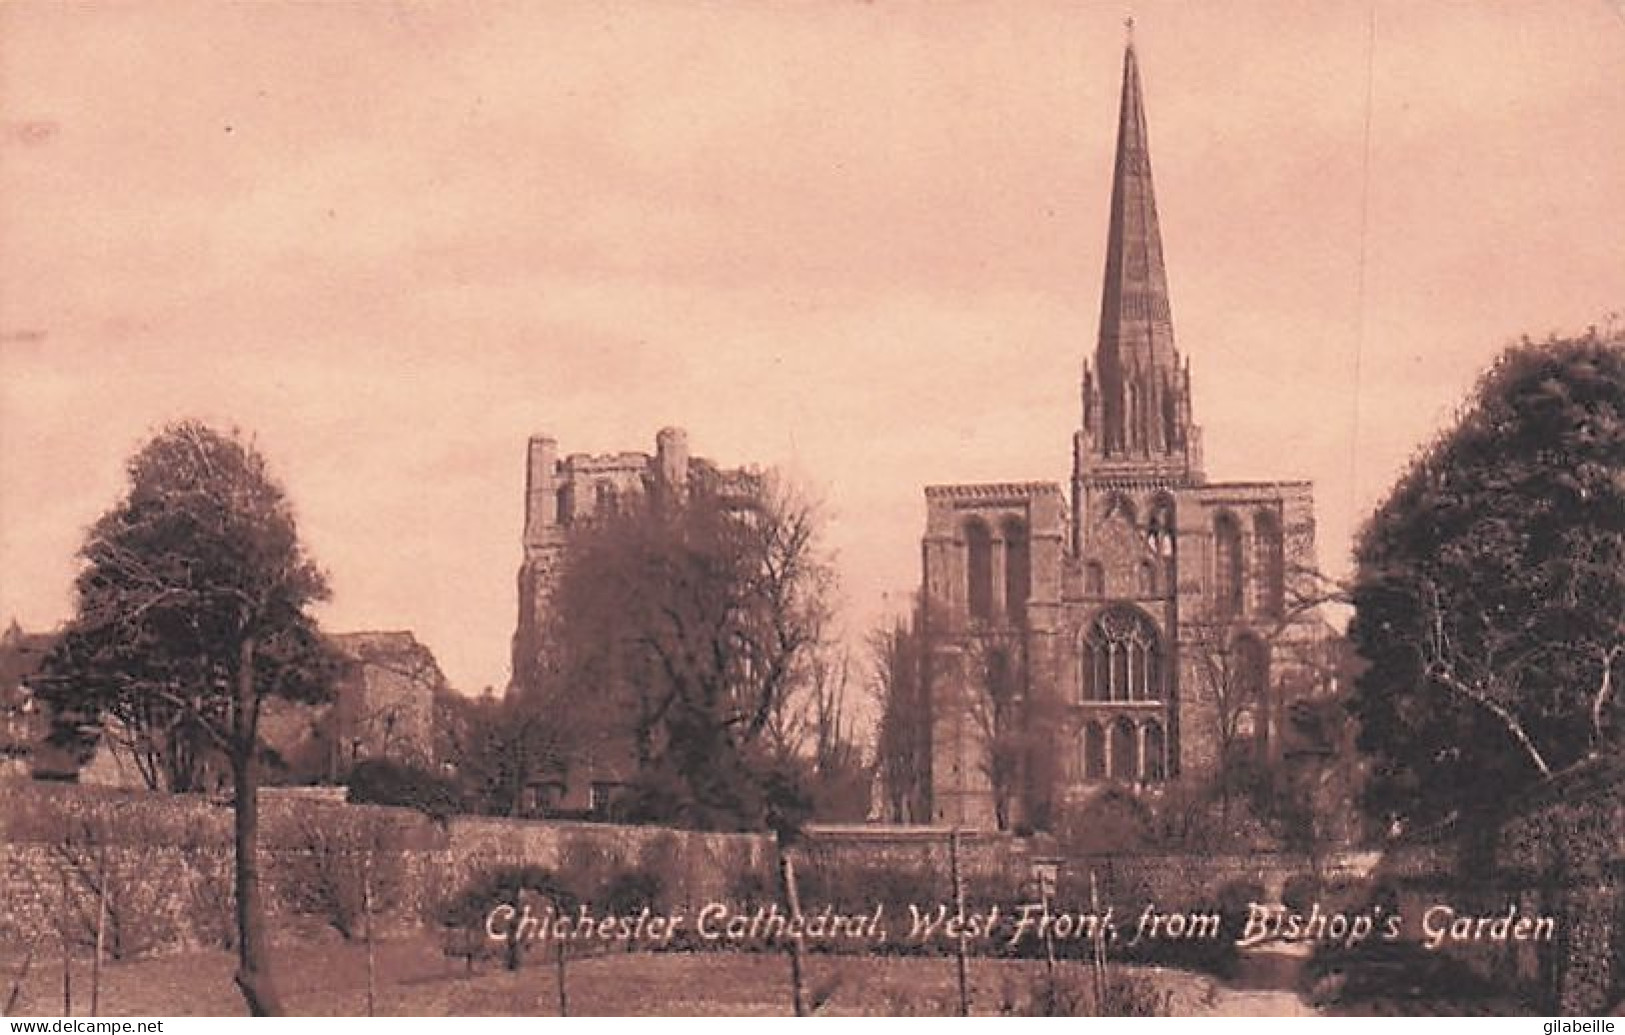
pixel 855 508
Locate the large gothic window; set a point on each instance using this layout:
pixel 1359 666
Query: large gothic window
pixel 1271 564
pixel 1122 659
pixel 1017 568
pixel 1227 574
pixel 979 568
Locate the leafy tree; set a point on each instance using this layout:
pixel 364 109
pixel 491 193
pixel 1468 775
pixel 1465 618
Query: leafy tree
pixel 192 611
pixel 1490 596
pixel 498 747
pixel 678 625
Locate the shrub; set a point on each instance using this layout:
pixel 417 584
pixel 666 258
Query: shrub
pixel 1073 993
pixel 463 916
pixel 1301 890
pixel 384 781
pixel 630 890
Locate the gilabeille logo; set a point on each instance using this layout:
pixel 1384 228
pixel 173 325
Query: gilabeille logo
pixel 1602 1025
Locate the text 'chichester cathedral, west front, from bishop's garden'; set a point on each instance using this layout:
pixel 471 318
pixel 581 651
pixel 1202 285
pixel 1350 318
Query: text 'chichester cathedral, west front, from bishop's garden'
pixel 1147 626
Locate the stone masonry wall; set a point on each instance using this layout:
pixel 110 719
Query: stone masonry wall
pixel 166 861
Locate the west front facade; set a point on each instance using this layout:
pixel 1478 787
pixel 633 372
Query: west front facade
pixel 1137 626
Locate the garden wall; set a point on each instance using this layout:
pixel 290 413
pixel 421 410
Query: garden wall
pixel 167 864
pixel 165 861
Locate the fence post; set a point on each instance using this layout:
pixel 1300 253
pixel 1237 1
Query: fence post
pixel 787 873
pixel 959 912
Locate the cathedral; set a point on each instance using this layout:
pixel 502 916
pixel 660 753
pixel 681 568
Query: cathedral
pixel 1149 625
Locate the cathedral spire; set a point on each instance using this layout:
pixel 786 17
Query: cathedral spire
pixel 1136 376
pixel 1135 322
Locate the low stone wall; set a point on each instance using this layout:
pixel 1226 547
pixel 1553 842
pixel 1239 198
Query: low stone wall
pixel 166 862
pixel 848 863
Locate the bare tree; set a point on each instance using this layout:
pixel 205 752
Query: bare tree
pixel 903 724
pixel 994 669
pixel 681 628
pixel 1247 667
pixel 349 872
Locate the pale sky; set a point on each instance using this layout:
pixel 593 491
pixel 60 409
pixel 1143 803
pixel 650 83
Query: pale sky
pixel 859 241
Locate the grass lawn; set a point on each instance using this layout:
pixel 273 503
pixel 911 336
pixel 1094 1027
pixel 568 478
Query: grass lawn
pixel 328 978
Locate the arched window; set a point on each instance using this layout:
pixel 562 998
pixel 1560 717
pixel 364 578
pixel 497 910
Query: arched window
pixel 1097 678
pixel 1124 751
pixel 1134 414
pixel 979 568
pixel 1119 507
pixel 1227 573
pixel 1271 564
pixel 1250 676
pixel 1122 659
pixel 606 498
pixel 1094 752
pixel 1094 579
pixel 1017 568
pixel 999 682
pixel 1170 421
pixel 1156 765
pixel 1160 527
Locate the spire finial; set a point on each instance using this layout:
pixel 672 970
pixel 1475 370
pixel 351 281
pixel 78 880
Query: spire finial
pixel 1128 30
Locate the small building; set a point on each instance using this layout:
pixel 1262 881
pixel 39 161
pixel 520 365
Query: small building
pixel 23 719
pixel 384 704
pixel 382 707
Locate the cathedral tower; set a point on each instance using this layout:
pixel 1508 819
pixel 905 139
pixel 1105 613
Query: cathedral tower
pixel 1140 634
